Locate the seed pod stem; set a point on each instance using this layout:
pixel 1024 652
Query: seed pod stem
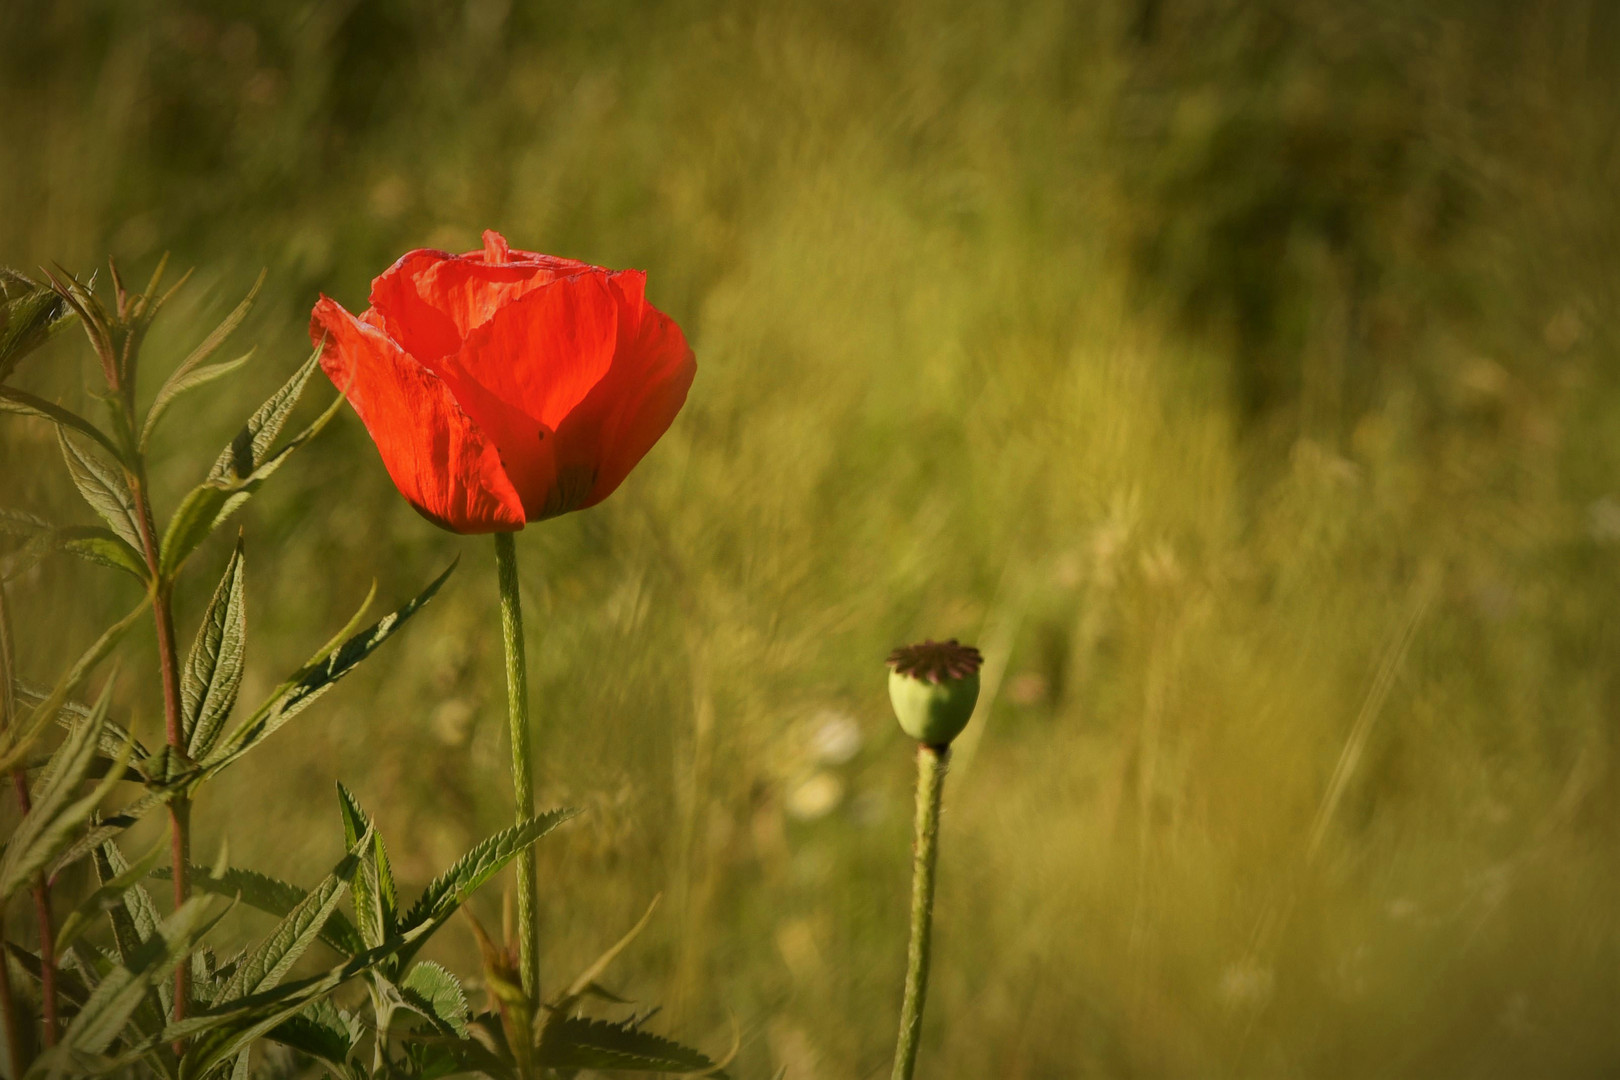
pixel 932 762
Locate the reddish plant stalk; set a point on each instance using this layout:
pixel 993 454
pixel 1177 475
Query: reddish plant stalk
pixel 47 933
pixel 169 661
pixel 8 1009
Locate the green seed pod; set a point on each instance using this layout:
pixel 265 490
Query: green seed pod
pixel 933 688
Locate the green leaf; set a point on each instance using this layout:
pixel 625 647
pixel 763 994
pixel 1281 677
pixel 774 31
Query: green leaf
pixel 450 889
pixel 189 374
pixel 236 1025
pixel 109 827
pixel 376 902
pixel 29 314
pixel 178 383
pixel 213 672
pixel 120 993
pixel 274 897
pixel 135 921
pixel 208 505
pixel 22 403
pixel 113 734
pixel 247 452
pixel 574 1042
pixel 102 484
pixel 320 1030
pixel 108 896
pixel 264 965
pixel 435 993
pixel 102 546
pixel 315 679
pixel 55 816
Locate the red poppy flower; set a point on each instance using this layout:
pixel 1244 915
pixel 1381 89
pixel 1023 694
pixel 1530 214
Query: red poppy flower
pixel 505 386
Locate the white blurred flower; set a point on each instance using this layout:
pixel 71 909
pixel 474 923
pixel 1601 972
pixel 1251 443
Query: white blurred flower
pixel 836 739
pixel 815 797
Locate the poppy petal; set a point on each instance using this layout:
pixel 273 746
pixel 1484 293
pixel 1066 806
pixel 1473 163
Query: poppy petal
pixel 431 300
pixel 523 373
pixel 441 461
pixel 663 368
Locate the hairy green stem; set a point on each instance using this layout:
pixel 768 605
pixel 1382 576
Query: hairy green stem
pixel 517 712
pixel 931 764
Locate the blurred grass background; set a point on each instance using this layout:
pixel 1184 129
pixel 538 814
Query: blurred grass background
pixel 1241 376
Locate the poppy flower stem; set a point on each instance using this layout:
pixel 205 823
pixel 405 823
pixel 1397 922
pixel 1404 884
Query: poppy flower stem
pixel 517 712
pixel 931 765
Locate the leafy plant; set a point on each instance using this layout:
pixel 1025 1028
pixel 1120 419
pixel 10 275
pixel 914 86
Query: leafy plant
pixel 121 987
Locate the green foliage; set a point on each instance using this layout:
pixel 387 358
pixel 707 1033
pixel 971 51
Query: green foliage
pixel 59 809
pixel 124 1008
pixel 314 679
pixel 103 486
pixel 29 314
pixel 278 898
pixel 190 374
pixel 449 890
pixel 213 671
pixel 241 468
pixel 578 1043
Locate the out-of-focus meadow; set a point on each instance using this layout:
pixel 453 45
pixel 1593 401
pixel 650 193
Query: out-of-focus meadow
pixel 1242 377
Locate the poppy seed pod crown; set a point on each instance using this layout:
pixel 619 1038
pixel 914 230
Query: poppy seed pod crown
pixel 933 687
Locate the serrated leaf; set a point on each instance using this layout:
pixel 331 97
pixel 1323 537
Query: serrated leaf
pixel 574 1042
pixel 109 827
pixel 319 1031
pixel 179 383
pixel 69 986
pixel 315 679
pixel 107 896
pixel 210 504
pixel 242 458
pixel 213 672
pixel 102 546
pixel 450 889
pixel 23 403
pixel 373 886
pixel 135 920
pixel 55 816
pixel 435 993
pixel 273 897
pixel 120 993
pixel 264 965
pixel 29 314
pixel 189 375
pixel 103 486
pixel 234 1026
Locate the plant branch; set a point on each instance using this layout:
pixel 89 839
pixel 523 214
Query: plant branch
pixel 8 1007
pixel 169 662
pixel 517 709
pixel 47 932
pixel 931 765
